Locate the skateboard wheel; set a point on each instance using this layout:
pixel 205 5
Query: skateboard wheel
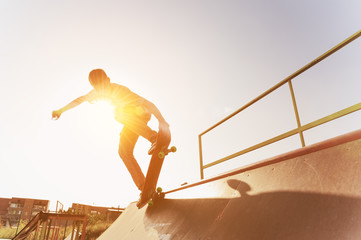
pixel 173 149
pixel 161 155
pixel 151 203
pixel 159 190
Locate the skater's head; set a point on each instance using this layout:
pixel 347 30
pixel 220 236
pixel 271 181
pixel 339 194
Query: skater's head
pixel 98 78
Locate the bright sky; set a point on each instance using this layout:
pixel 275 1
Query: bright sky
pixel 198 61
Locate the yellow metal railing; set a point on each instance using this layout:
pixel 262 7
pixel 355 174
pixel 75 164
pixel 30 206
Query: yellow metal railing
pixel 300 129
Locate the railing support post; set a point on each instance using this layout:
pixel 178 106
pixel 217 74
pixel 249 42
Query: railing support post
pixel 296 113
pixel 200 156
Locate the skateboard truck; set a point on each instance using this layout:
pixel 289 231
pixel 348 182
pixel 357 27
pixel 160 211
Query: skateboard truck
pixel 165 152
pixel 159 194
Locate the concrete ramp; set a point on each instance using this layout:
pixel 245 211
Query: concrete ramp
pixel 310 193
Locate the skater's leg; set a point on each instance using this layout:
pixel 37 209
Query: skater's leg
pixel 138 125
pixel 126 146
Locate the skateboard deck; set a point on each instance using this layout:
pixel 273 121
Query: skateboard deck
pixel 149 192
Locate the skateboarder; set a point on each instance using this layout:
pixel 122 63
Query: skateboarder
pixel 130 109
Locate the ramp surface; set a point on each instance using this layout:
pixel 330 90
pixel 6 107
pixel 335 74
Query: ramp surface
pixel 311 193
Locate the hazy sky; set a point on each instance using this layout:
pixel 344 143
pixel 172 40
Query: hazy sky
pixel 198 61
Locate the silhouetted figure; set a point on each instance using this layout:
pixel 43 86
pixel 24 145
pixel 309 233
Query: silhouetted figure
pixel 130 109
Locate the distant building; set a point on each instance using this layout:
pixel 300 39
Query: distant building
pixel 14 209
pixel 4 207
pixel 109 213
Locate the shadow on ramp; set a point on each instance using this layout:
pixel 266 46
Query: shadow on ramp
pixel 272 215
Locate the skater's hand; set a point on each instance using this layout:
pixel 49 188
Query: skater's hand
pixel 56 115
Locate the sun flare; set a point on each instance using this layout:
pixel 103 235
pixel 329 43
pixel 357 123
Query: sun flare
pixel 103 108
pixel 100 122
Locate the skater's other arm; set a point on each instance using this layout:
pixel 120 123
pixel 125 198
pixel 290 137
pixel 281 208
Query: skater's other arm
pixel 155 111
pixel 56 114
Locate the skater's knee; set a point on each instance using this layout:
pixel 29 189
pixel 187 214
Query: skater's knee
pixel 125 153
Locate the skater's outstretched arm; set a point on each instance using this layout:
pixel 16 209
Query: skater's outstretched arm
pixel 57 113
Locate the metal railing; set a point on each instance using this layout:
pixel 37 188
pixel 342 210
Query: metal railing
pixel 300 128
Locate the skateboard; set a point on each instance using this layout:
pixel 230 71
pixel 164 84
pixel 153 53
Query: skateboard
pixel 149 193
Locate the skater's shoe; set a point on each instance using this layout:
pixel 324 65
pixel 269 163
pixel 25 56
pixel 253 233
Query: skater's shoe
pixel 152 148
pixel 154 143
